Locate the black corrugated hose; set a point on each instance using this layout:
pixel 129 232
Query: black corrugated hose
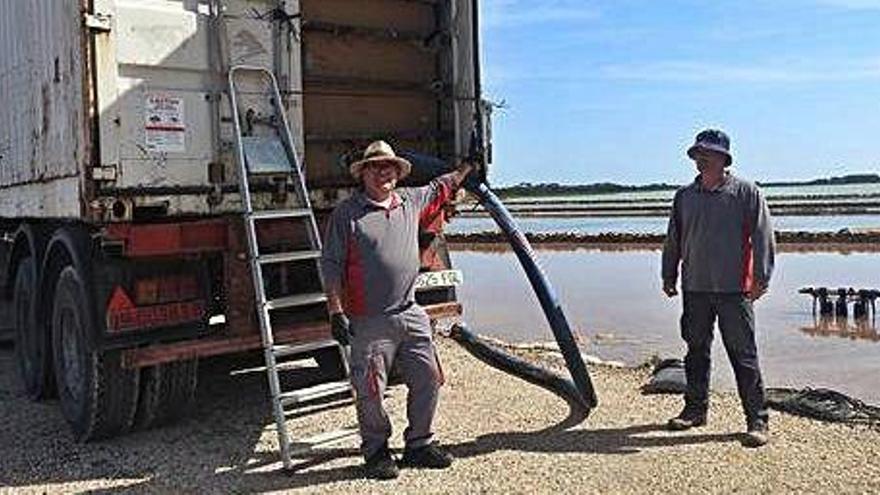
pixel 823 404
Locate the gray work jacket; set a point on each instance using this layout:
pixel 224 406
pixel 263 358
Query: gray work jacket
pixel 722 238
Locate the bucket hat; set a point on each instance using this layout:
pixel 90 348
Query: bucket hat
pixel 711 140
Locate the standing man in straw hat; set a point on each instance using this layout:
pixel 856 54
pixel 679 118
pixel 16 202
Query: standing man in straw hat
pixel 370 264
pixel 720 232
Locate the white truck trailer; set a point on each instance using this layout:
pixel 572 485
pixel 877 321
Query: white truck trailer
pixel 125 259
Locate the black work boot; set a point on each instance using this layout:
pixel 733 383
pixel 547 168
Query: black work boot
pixel 690 417
pixel 757 434
pixel 430 457
pixel 381 466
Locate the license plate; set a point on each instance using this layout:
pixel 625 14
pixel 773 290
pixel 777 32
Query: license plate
pixel 443 278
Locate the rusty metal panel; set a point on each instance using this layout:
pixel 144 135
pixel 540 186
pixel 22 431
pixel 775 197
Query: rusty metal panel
pixel 338 125
pixel 367 59
pixel 348 115
pixel 332 154
pixel 42 140
pixel 461 17
pixel 397 14
pixel 216 346
pixel 105 84
pixel 385 69
pixel 51 198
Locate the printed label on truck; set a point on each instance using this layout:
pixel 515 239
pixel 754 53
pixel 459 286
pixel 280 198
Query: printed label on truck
pixel 165 125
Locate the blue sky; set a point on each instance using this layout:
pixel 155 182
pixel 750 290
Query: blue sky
pixel 614 90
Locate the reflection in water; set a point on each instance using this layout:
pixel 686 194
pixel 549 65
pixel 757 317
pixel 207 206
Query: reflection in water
pixel 829 326
pixel 614 299
pixel 833 310
pixel 656 225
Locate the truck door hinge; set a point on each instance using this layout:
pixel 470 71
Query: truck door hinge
pixel 105 173
pixel 98 23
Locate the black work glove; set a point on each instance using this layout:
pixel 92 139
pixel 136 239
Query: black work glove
pixel 340 328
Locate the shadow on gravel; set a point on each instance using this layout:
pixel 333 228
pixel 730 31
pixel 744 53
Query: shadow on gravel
pixel 216 449
pixel 243 479
pixel 627 440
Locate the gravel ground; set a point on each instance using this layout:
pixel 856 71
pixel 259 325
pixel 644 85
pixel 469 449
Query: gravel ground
pixel 507 436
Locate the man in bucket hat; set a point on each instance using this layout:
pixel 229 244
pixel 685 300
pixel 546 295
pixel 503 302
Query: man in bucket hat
pixel 370 264
pixel 720 232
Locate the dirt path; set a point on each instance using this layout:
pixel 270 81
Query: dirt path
pixel 500 430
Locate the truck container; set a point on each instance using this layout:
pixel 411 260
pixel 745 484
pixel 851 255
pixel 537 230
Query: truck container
pixel 124 258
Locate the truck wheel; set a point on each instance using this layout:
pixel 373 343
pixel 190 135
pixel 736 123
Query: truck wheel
pixel 98 396
pixel 32 351
pixel 168 392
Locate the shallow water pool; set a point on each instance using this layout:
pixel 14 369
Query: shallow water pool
pixel 613 299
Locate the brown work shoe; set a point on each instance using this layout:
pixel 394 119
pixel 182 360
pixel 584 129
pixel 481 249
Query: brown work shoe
pixel 381 466
pixel 687 419
pixel 757 435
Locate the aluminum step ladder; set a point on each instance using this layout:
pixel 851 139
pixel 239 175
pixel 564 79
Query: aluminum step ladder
pixel 274 154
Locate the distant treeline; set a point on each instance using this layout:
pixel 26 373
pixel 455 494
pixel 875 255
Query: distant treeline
pixel 832 181
pixel 555 189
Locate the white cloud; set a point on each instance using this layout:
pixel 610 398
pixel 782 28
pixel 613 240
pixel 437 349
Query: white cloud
pixel 737 33
pixel 687 71
pixel 696 71
pixel 519 13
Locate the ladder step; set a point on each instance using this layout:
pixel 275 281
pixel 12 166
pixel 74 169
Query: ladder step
pixel 283 350
pixel 302 410
pixel 297 300
pixel 314 392
pixel 276 214
pixel 286 257
pixel 305 445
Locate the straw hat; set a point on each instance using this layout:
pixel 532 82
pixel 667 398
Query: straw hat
pixel 380 151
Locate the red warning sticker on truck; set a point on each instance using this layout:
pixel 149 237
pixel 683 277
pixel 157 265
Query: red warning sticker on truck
pixel 165 124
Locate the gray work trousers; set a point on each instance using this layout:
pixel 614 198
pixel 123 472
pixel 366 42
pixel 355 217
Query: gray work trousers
pixel 378 343
pixel 736 320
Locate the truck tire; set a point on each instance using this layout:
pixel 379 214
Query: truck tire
pixel 98 396
pixel 32 350
pixel 168 392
